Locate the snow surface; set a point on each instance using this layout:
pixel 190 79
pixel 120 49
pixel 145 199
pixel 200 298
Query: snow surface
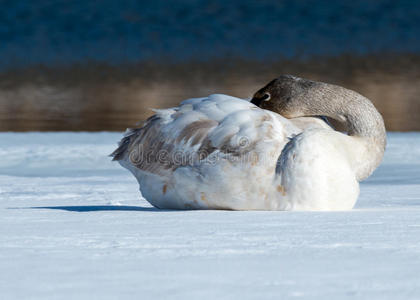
pixel 73 226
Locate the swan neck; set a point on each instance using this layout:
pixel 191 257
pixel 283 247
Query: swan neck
pixel 364 124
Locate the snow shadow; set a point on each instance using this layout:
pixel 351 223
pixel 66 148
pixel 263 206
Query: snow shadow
pixel 91 208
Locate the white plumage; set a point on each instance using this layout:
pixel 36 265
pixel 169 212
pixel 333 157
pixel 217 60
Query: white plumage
pixel 222 152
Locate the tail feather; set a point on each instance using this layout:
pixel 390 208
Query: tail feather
pixel 130 136
pixel 124 144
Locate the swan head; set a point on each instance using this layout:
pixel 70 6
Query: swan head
pixel 294 97
pixel 285 95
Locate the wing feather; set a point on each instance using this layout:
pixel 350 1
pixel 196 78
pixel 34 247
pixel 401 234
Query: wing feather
pixel 197 128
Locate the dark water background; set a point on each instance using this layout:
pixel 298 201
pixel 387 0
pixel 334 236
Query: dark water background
pixel 99 65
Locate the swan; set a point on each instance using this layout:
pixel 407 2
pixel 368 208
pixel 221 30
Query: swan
pixel 270 153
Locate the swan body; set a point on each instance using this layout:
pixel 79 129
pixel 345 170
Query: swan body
pixel 221 152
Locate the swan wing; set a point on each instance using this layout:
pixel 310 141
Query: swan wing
pixel 201 127
pixel 304 123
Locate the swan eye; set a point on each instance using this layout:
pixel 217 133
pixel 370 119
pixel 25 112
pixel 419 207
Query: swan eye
pixel 266 97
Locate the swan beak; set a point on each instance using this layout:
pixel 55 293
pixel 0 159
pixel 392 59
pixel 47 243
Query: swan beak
pixel 256 101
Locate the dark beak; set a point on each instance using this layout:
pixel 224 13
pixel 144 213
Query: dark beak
pixel 256 101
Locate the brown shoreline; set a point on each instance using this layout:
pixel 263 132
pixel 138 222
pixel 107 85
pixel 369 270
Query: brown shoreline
pixel 92 97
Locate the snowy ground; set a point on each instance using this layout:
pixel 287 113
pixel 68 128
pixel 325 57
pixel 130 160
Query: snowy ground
pixel 72 226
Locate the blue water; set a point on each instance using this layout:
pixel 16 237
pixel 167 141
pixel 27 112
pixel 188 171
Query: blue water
pixel 64 32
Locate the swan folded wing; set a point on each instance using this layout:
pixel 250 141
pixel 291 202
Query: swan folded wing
pixel 305 123
pixel 186 135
